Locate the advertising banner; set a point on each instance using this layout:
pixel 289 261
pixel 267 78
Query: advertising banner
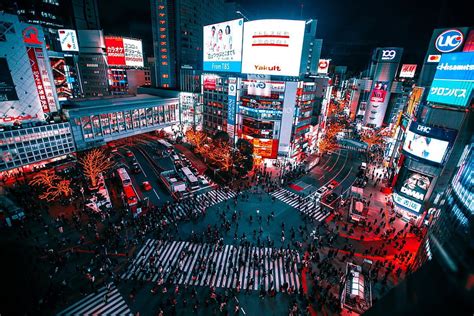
pixel 68 40
pixel 7 87
pixel 223 46
pixel 259 87
pixel 454 80
pixel 272 47
pixel 408 71
pixel 446 40
pixel 232 101
pixel 62 82
pixel 406 203
pixel 323 66
pixel 413 185
pixel 47 83
pixel 209 82
pixel 115 51
pixel 426 142
pixel 389 54
pixel 379 92
pixel 133 52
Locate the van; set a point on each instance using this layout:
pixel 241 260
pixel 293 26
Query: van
pixel 363 166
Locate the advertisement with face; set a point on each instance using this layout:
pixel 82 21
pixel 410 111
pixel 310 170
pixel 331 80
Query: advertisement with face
pixel 223 46
pixel 273 47
pixel 413 185
pixel 379 92
pixel 425 147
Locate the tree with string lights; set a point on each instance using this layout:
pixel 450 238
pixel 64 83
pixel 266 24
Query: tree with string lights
pixel 53 185
pixel 94 163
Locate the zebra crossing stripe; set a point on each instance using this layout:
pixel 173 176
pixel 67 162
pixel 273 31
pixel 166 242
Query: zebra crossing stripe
pixel 184 257
pixel 95 304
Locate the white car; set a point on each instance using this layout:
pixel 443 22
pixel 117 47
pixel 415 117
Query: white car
pixel 203 180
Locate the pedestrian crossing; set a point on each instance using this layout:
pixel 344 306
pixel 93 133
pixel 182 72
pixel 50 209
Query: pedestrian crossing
pixel 105 301
pixel 196 205
pixel 306 205
pixel 226 266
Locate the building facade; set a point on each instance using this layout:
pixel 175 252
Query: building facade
pixel 177 34
pixel 96 122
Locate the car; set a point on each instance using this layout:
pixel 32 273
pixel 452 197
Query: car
pixel 133 160
pixel 203 180
pixel 129 153
pixel 322 190
pixel 146 186
pixel 331 198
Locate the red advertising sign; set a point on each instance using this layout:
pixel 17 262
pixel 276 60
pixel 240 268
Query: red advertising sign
pixel 469 45
pixel 37 78
pixel 379 92
pixel 115 51
pixel 210 83
pixel 408 71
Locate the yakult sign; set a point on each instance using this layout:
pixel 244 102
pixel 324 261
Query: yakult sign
pixel 273 47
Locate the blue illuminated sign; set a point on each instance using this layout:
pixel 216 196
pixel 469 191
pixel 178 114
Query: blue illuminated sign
pixel 454 80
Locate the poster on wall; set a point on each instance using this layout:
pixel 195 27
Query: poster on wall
pixel 379 92
pixel 7 87
pixel 272 47
pixel 223 46
pixel 413 185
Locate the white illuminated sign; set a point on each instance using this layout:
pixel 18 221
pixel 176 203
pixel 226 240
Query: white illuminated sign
pixel 407 203
pixel 425 147
pixel 273 47
pixel 68 40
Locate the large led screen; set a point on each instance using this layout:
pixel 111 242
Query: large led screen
pixel 425 147
pixel 454 80
pixel 413 185
pixel 123 51
pixel 223 46
pixel 273 47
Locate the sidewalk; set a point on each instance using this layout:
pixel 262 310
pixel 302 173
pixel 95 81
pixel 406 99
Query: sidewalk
pixel 378 200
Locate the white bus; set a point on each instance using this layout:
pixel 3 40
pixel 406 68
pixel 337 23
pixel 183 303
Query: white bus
pixel 165 143
pixel 192 179
pixel 124 177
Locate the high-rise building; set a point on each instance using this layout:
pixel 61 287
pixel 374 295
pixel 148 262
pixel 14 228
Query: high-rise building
pixel 178 37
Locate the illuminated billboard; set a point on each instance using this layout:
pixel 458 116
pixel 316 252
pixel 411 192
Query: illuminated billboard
pixel 469 45
pixel 223 46
pixel 379 92
pixel 408 71
pixel 68 40
pixel 62 80
pixel 123 51
pixel 454 80
pixel 430 143
pixel 209 82
pixel 413 185
pixel 323 66
pixel 272 47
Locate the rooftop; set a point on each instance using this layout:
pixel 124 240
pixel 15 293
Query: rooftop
pixel 112 101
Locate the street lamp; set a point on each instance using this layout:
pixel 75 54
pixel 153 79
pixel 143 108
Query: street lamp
pixel 241 14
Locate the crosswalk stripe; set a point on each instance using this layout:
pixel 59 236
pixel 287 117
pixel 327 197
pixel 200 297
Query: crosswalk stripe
pixel 94 304
pixel 211 265
pixel 304 205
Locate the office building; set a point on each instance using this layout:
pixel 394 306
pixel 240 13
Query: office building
pixel 177 34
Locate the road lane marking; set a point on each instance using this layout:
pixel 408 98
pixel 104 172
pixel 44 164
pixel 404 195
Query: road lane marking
pixel 156 194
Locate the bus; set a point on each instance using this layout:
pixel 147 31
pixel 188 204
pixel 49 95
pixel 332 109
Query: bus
pixel 163 142
pixel 191 178
pixel 129 193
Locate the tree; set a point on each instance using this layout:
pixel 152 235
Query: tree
pixel 244 163
pixel 54 185
pixel 198 139
pixel 371 137
pixel 222 154
pixel 94 163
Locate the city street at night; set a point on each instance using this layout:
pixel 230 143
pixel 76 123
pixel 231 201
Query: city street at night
pixel 236 157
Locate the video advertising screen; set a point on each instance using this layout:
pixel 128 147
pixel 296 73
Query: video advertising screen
pixel 223 46
pixel 425 147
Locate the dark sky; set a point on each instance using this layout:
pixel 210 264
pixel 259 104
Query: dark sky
pixel 367 24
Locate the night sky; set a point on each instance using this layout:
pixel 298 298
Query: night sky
pixel 349 29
